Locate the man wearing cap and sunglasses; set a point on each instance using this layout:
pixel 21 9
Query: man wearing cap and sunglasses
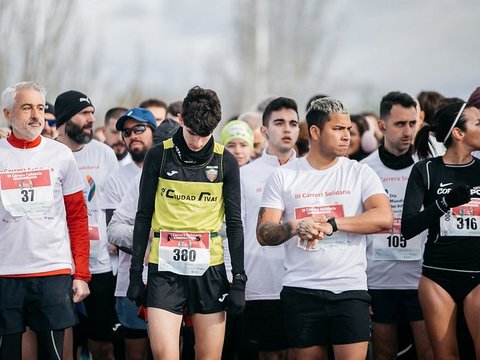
pixel 136 127
pixel 96 162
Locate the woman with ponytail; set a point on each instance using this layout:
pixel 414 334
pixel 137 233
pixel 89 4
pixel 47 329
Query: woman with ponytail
pixel 443 196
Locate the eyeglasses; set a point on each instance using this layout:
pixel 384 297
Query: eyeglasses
pixel 52 123
pixel 137 129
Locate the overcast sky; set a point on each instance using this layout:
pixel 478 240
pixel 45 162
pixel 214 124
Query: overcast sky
pixel 166 46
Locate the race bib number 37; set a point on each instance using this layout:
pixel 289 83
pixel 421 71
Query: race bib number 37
pixel 26 192
pixel 184 252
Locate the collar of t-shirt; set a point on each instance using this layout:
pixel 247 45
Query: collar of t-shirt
pixel 22 143
pixel 273 160
pixel 189 157
pixel 395 162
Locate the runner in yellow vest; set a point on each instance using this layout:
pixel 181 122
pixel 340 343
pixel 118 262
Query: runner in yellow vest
pixel 189 185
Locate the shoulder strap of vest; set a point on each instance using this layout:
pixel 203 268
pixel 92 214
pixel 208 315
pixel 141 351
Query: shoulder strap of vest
pixel 168 144
pixel 218 148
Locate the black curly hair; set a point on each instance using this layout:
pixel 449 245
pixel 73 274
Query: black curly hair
pixel 201 111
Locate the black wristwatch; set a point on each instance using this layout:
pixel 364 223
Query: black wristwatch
pixel 239 276
pixel 332 222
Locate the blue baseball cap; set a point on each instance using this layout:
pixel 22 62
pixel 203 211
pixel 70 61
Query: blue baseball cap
pixel 139 114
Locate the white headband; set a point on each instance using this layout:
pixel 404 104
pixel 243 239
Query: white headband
pixel 455 122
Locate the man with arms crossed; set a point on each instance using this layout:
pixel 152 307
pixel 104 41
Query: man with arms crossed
pixel 44 226
pixel 263 317
pixel 320 207
pixel 395 264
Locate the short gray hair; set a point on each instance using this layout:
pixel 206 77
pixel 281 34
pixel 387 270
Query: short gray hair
pixel 10 93
pixel 327 105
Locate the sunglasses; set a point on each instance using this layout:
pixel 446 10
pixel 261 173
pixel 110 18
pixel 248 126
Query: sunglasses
pixel 52 123
pixel 137 130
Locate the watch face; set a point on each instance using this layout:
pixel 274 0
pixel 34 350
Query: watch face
pixel 240 277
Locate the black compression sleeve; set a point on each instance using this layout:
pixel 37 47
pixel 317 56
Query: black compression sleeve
pixel 233 217
pixel 415 221
pixel 146 205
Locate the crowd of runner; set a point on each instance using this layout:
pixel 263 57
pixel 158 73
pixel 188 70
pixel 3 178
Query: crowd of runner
pixel 336 235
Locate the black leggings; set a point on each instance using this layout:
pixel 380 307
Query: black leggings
pixel 49 345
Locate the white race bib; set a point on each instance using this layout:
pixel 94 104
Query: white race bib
pixel 463 220
pixel 184 252
pixel 391 245
pixel 26 192
pixel 337 240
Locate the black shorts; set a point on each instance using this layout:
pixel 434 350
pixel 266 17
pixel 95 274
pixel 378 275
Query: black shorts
pixel 43 303
pixel 204 294
pixel 100 307
pixel 319 317
pixel 263 325
pixel 394 306
pixel 457 284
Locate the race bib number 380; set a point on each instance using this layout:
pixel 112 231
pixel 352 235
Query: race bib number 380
pixel 26 192
pixel 463 220
pixel 184 252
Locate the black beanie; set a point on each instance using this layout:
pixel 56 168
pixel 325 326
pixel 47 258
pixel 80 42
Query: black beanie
pixel 69 104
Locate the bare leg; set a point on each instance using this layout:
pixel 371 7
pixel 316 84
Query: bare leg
pixel 310 353
pixel 164 333
pixel 355 351
pixel 471 306
pixel 422 341
pixel 384 341
pixel 209 332
pixel 440 313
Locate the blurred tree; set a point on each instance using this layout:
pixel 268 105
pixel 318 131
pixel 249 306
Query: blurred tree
pixel 283 47
pixel 40 43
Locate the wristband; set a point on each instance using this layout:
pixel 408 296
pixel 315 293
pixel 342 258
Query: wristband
pixel 332 222
pixel 239 276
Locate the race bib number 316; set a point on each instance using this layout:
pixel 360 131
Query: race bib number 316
pixel 463 220
pixel 184 252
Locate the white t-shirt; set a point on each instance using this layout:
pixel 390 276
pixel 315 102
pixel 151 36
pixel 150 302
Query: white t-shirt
pixel 121 226
pixel 339 262
pixel 34 236
pixel 263 264
pixel 393 262
pixel 116 190
pixel 118 183
pixel 96 162
pixel 125 161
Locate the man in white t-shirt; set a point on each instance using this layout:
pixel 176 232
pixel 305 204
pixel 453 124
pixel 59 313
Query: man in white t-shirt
pixel 321 207
pixel 263 317
pixel 44 234
pixel 96 162
pixel 395 264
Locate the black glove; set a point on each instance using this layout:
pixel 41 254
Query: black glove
pixel 136 289
pixel 236 296
pixel 458 196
